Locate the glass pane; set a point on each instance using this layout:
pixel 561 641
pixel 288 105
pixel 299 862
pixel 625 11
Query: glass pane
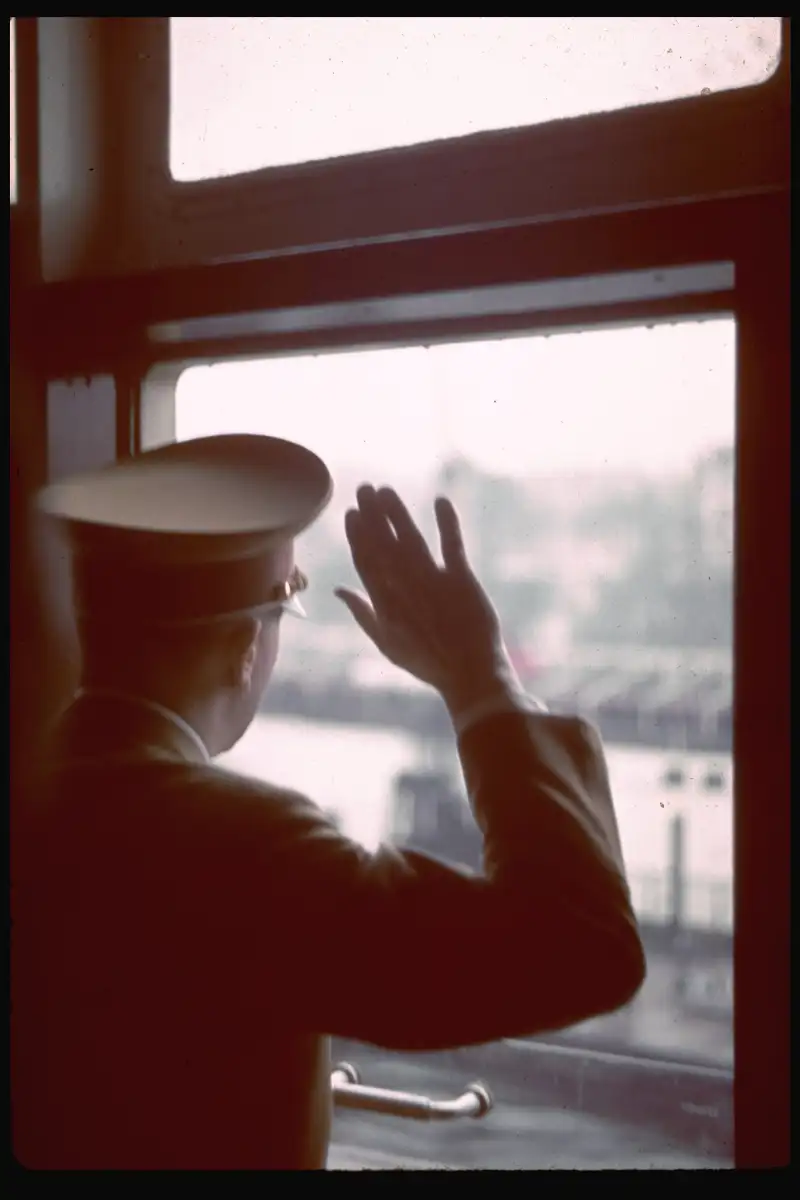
pixel 594 474
pixel 13 113
pixel 253 92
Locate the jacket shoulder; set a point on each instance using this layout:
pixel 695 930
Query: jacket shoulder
pixel 232 801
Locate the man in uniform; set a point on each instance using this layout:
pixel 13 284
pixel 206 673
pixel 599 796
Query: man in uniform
pixel 186 940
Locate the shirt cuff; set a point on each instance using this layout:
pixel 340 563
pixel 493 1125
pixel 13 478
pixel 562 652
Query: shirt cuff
pixel 493 706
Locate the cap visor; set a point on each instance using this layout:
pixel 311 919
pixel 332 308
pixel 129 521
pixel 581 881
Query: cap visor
pixel 294 607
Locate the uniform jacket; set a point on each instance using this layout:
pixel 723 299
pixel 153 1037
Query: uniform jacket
pixel 185 941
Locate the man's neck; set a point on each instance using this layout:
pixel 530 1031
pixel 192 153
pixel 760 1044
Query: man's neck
pixel 202 716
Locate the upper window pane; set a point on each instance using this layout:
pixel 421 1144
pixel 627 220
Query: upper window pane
pixel 254 92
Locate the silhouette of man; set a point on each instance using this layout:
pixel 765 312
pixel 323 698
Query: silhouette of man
pixel 187 940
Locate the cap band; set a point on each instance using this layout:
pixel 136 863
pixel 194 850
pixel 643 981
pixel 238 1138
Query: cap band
pixel 179 595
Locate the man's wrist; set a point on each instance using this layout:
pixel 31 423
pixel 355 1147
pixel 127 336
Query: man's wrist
pixel 500 683
pixel 511 703
pixel 486 693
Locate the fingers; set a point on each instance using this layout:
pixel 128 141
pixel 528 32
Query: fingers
pixel 388 549
pixel 409 538
pixel 450 536
pixel 372 552
pixel 382 527
pixel 375 520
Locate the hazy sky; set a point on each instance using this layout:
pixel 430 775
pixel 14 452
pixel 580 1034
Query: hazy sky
pixel 617 400
pixel 251 92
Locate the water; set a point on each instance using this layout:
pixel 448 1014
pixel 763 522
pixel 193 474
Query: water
pixel 347 770
pixel 350 771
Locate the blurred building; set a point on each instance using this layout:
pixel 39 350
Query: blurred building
pixel 714 481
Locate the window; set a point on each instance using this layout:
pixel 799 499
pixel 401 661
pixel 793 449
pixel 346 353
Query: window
pixel 731 146
pixel 594 475
pixel 254 92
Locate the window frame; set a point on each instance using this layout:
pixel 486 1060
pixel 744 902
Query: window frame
pixel 132 255
pixel 541 173
pixel 657 151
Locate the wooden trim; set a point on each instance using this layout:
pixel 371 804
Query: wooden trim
pixel 93 323
pixel 761 709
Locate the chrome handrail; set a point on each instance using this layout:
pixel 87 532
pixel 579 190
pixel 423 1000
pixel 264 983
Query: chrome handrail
pixel 348 1092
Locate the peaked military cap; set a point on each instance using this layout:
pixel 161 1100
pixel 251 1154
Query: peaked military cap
pixel 192 531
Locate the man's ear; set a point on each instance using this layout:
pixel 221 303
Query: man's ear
pixel 243 646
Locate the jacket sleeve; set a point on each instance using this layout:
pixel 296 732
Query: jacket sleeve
pixel 403 951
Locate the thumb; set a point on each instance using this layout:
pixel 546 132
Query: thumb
pixel 361 611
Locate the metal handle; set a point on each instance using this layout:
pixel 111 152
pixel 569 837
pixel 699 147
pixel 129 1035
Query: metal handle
pixel 348 1092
